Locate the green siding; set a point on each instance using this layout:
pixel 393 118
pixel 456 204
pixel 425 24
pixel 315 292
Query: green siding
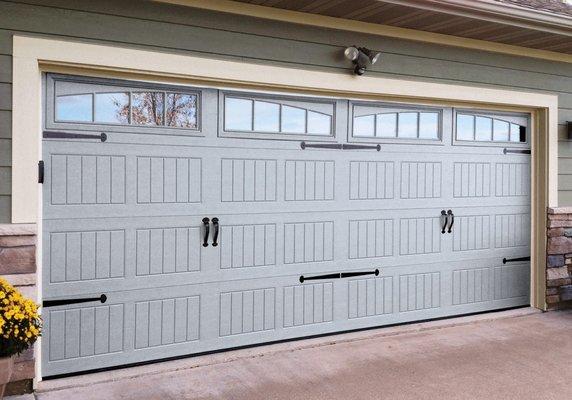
pixel 155 26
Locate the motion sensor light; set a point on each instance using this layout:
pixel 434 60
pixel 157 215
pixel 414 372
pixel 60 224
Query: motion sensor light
pixel 361 57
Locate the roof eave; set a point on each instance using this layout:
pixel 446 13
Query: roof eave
pixel 495 11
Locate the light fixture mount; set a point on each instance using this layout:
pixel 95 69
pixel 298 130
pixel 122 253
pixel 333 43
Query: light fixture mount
pixel 361 57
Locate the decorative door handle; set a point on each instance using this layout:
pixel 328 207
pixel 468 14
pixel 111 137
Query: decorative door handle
pixel 444 214
pixel 450 213
pixel 215 235
pixel 206 226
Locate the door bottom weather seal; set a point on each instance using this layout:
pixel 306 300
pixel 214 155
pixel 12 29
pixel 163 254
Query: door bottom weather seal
pixel 338 275
pixel 63 302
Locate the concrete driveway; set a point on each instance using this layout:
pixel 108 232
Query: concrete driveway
pixel 519 354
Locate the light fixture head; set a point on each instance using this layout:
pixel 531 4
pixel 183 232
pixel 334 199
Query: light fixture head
pixel 372 55
pixel 351 53
pixel 361 57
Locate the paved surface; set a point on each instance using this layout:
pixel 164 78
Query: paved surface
pixel 518 357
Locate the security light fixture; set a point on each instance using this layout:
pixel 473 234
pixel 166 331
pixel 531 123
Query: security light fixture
pixel 361 57
pixel 569 129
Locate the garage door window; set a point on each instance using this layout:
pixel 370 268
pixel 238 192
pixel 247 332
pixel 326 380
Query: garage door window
pixel 277 116
pixel 112 108
pixel 75 108
pixel 87 103
pixel 379 122
pixel 481 128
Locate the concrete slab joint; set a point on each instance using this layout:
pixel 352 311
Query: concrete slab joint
pixel 559 258
pixel 18 267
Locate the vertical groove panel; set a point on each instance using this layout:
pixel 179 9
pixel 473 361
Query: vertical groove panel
pixel 471 179
pixel 247 245
pixel 369 297
pixel 309 180
pixel 419 291
pixel 169 180
pixel 87 179
pixel 166 321
pixel 371 180
pixel 248 180
pixel 308 242
pixel 420 180
pixel 419 236
pixel 308 304
pixel 370 238
pixel 167 250
pixel 247 311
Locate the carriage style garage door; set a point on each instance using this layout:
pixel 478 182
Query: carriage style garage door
pixel 211 219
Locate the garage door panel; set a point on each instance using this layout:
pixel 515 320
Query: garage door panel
pixel 124 218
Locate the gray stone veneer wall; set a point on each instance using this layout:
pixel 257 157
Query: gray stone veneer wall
pixel 559 258
pixel 18 266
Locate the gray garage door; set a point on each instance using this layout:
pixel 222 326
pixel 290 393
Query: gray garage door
pixel 211 219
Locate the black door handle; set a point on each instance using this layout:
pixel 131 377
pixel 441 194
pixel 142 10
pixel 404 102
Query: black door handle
pixel 215 235
pixel 444 214
pixel 206 226
pixel 450 213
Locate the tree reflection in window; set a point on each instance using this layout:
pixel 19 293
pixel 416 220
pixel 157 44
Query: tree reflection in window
pixel 147 108
pixel 108 105
pixel 182 110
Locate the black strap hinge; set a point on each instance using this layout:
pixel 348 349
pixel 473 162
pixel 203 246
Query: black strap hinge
pixel 516 151
pixel 63 302
pixel 518 259
pixel 338 275
pixel 68 135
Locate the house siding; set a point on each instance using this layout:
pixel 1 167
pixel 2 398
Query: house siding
pixel 162 27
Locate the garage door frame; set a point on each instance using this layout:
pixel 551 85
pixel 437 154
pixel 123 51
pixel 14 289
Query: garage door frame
pixel 34 56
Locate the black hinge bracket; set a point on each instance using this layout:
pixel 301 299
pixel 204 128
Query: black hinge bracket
pixel 508 260
pixel 516 151
pixel 40 171
pixel 63 302
pixel 67 135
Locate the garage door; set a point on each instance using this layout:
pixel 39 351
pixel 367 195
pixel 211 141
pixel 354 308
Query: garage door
pixel 182 220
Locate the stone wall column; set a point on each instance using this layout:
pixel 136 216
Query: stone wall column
pixel 18 266
pixel 559 258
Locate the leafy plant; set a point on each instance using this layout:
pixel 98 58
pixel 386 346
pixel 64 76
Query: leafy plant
pixel 20 323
